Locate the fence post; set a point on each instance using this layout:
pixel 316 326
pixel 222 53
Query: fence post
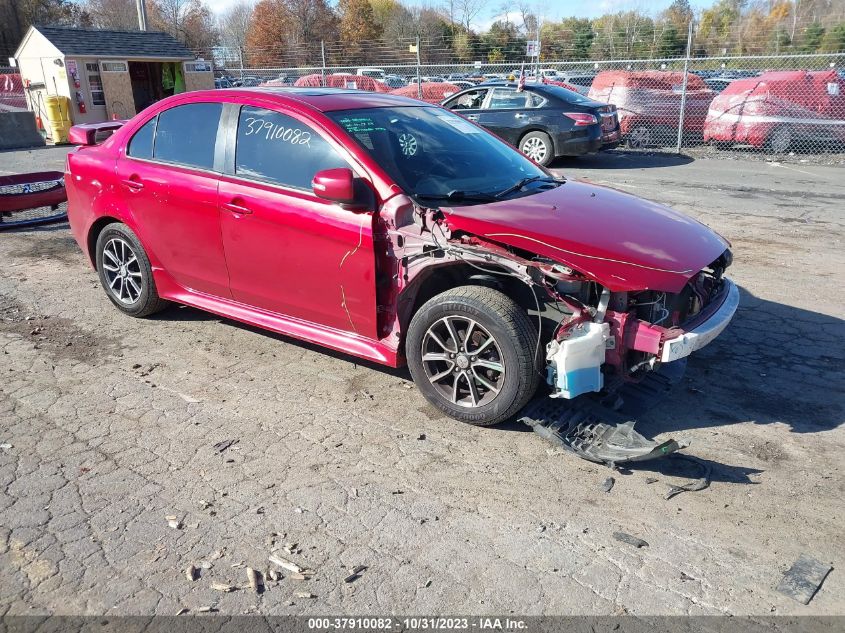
pixel 419 83
pixel 323 58
pixel 684 91
pixel 241 61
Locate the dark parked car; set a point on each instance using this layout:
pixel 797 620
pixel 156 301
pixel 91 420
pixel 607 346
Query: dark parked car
pixel 543 121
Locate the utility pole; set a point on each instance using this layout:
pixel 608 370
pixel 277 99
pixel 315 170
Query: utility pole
pixel 323 58
pixel 142 15
pixel 684 90
pixel 419 83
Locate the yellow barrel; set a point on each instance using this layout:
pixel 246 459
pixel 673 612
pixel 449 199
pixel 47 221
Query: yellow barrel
pixel 57 107
pixel 58 115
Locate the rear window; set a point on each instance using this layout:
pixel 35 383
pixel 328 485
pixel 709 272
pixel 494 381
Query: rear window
pixel 186 135
pixel 570 96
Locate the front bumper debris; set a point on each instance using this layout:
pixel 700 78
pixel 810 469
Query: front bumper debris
pixel 699 336
pixel 592 431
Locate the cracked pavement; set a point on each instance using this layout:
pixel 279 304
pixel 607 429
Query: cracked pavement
pixel 108 423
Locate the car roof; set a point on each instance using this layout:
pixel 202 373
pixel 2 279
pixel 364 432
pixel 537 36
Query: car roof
pixel 322 99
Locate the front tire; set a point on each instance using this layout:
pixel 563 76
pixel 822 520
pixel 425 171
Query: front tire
pixel 125 272
pixel 538 147
pixel 639 137
pixel 471 351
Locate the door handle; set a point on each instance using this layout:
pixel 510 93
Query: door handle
pixel 519 115
pixel 472 117
pixel 236 208
pixel 133 183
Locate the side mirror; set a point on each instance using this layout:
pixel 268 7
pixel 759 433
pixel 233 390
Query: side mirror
pixel 337 185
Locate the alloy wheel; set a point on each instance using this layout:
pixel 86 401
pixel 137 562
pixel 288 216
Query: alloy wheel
pixel 535 149
pixel 122 271
pixel 640 136
pixel 463 361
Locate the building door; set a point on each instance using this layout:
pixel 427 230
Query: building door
pixel 117 88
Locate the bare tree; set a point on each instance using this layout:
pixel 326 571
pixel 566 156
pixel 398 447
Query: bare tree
pixel 468 10
pixel 189 21
pixel 234 25
pixel 113 14
pixel 528 14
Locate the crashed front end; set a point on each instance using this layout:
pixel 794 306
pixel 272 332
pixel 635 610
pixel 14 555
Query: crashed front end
pixel 617 337
pixel 623 306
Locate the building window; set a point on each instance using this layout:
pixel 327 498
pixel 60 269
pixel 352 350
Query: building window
pixel 197 67
pixel 114 67
pixel 95 84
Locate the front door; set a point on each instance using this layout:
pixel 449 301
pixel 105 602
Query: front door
pixel 468 104
pixel 168 179
pixel 506 112
pixel 288 251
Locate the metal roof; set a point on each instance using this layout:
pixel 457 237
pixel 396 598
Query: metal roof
pixel 120 44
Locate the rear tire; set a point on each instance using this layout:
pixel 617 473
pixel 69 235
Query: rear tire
pixel 538 147
pixel 471 351
pixel 125 272
pixel 780 140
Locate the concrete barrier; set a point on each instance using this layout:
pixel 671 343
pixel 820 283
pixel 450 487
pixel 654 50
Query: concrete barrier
pixel 17 130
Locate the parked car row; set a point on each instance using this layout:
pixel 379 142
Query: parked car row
pixel 778 110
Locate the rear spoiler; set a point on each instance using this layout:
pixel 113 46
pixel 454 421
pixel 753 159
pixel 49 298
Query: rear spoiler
pixel 86 133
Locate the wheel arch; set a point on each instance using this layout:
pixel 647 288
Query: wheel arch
pixel 448 276
pixel 94 233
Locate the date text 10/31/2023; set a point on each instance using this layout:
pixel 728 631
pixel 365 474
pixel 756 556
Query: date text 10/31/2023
pixel 417 624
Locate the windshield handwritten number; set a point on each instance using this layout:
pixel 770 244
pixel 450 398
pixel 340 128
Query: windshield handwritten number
pixel 292 135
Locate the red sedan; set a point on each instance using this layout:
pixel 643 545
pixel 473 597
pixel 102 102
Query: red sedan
pixel 398 232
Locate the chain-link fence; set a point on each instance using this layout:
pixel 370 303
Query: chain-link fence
pixel 765 104
pixel 12 97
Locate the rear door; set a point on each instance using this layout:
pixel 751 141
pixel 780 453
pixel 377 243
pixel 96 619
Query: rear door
pixel 169 181
pixel 288 251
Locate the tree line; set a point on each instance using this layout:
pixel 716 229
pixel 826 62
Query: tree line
pixel 289 32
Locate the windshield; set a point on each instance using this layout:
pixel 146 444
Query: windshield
pixel 432 153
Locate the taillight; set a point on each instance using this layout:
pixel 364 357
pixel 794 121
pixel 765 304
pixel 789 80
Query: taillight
pixel 581 118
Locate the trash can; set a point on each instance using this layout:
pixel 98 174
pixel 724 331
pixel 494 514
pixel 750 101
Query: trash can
pixel 58 114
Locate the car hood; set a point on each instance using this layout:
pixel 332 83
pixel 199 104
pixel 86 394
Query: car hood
pixel 619 240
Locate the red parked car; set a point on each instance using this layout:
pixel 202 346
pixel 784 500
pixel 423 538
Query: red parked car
pixel 399 232
pixel 432 91
pixel 342 80
pixel 648 103
pixel 780 110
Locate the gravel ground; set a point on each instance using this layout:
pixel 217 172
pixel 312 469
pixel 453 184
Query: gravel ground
pixel 112 423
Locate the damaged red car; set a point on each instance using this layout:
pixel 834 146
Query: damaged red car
pixel 398 232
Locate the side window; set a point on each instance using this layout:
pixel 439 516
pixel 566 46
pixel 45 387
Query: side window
pixel 508 99
pixel 471 100
pixel 186 134
pixel 141 145
pixel 535 100
pixel 277 148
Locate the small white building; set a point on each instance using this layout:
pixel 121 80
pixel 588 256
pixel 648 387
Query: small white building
pixel 106 74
